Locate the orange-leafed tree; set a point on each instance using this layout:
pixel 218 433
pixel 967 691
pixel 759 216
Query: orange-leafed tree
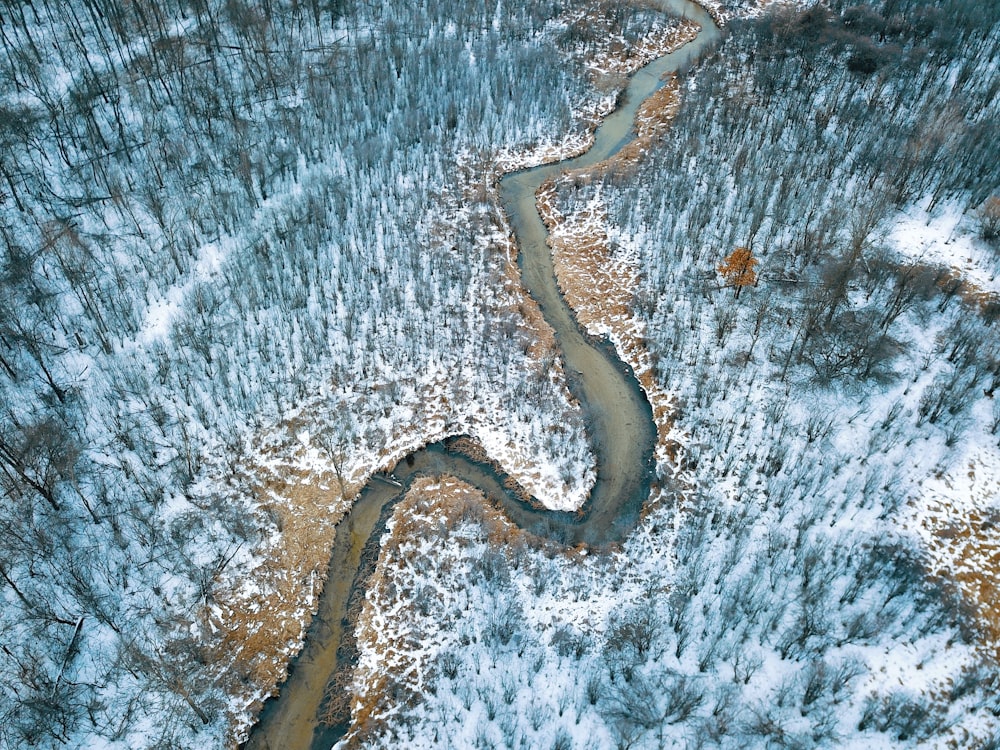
pixel 738 269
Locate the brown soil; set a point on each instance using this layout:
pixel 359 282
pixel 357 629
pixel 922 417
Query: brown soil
pixel 969 543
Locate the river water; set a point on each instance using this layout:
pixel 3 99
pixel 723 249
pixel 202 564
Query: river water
pixel 620 420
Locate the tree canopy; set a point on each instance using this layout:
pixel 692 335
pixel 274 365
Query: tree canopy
pixel 738 269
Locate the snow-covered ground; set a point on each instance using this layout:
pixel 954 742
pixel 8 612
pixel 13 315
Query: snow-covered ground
pixel 212 253
pixel 947 237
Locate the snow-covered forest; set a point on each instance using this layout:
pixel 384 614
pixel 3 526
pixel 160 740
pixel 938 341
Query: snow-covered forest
pixel 247 249
pixel 827 575
pixel 252 253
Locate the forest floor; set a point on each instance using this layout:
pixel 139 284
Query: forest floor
pixel 598 272
pixel 384 627
pixel 265 618
pixel 597 282
pixel 957 517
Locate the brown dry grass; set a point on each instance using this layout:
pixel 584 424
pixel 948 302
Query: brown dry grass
pixel 969 541
pixel 952 281
pixel 258 627
pixel 652 121
pixel 655 115
pixel 598 289
pixel 481 180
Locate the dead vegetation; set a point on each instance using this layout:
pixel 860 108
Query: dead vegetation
pixel 611 56
pixel 472 449
pixel 597 279
pixel 259 625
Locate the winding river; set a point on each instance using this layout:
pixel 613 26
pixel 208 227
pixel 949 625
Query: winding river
pixel 621 430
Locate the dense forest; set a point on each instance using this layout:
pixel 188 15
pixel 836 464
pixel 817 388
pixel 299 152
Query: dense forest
pixel 246 242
